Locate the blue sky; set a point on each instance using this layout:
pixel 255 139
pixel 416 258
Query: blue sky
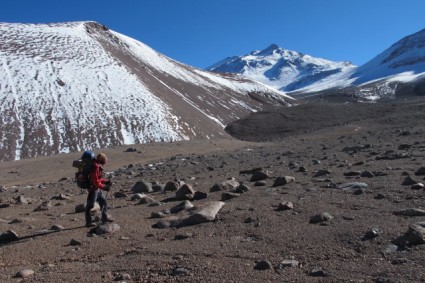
pixel 201 32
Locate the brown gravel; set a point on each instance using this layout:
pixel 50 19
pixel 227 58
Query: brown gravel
pixel 249 228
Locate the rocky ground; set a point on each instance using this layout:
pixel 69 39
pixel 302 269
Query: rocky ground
pixel 339 200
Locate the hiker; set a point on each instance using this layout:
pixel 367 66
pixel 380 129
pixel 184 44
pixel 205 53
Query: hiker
pixel 95 192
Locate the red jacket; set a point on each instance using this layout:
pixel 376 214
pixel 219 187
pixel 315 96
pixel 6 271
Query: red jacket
pixel 96 180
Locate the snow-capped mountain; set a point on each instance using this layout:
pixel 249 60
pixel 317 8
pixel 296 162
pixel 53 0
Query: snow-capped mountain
pixel 403 61
pixel 70 86
pixel 398 70
pixel 280 68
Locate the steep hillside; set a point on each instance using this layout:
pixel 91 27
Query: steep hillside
pixel 69 86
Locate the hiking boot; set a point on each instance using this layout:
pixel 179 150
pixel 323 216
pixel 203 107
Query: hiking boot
pixel 90 225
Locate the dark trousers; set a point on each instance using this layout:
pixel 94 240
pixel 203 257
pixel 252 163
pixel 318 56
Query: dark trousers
pixel 92 197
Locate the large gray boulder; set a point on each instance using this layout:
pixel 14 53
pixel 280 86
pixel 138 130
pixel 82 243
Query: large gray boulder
pixel 197 215
pixel 142 187
pixel 185 192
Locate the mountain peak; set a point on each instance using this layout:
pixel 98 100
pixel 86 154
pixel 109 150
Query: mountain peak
pixel 269 50
pixel 280 68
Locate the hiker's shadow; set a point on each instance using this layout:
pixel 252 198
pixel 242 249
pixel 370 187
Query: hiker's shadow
pixel 11 238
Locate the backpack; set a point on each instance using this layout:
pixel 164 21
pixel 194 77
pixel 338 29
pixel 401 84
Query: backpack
pixel 84 165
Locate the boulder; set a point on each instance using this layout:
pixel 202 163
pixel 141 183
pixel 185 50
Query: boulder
pixel 24 273
pixel 107 228
pixel 228 195
pixel 197 215
pixel 206 213
pixel 142 187
pixel 415 235
pixel 181 206
pixel 259 176
pixel 185 192
pixel 287 205
pixel 171 186
pixel 281 181
pixel 353 186
pixel 322 217
pixel 9 236
pixel 410 212
pixel 420 171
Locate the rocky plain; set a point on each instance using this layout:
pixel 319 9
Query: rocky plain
pixel 310 193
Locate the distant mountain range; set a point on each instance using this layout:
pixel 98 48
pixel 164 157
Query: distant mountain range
pixel 301 75
pixel 66 87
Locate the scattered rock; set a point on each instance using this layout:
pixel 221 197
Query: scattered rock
pixel 142 187
pixel 171 186
pixel 408 181
pixel 322 217
pixel 353 186
pixel 420 171
pixel 371 234
pixel 57 227
pixel 415 235
pixel 260 184
pixel 356 148
pixel 9 236
pixel 107 228
pixel 242 188
pixel 281 181
pixel 321 173
pixel 185 192
pixel 228 195
pixel 379 196
pixel 352 173
pixel 317 272
pixel 138 197
pixel 47 205
pixel 185 236
pixel 288 263
pixel 21 200
pixel 120 194
pixel 367 174
pixel 186 205
pixel 226 185
pixel 410 212
pixel 24 273
pixel 146 200
pixel 204 214
pixel 250 171
pixel 61 197
pixel 259 176
pixel 201 214
pixel 75 243
pixel 122 277
pixel 200 195
pixel 263 265
pixel 180 271
pixel 287 205
pixel 418 186
pixel 159 214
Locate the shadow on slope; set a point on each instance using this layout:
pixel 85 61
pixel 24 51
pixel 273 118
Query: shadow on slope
pixel 309 117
